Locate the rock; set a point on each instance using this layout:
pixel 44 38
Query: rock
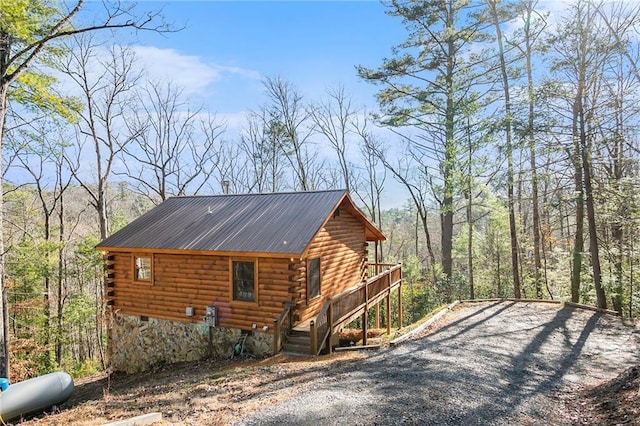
pixel 136 345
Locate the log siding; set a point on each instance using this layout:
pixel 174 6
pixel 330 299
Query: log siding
pixel 198 281
pixel 341 246
pixel 184 275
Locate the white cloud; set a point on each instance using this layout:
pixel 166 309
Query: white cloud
pixel 192 73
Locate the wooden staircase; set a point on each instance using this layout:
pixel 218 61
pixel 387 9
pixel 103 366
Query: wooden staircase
pixel 298 342
pixel 313 336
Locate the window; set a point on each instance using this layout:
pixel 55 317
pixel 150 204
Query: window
pixel 313 278
pixel 244 280
pixel 142 268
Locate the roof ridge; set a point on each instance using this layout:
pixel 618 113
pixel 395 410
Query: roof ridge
pixel 258 194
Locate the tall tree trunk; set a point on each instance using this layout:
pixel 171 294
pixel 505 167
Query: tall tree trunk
pixel 578 242
pixel 618 236
pixel 591 219
pixel 60 283
pixel 498 271
pixel 631 295
pixel 515 263
pixel 472 294
pixel 537 259
pixel 617 228
pixel 469 193
pixel 47 280
pixel 4 305
pixel 446 208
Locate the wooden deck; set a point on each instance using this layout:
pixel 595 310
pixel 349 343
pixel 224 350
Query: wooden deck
pixel 343 308
pixel 303 326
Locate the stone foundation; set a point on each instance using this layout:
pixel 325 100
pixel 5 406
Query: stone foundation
pixel 136 345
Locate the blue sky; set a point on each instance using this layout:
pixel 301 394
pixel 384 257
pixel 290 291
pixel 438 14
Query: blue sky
pixel 228 47
pixel 232 45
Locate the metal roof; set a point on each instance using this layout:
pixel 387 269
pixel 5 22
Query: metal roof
pixel 282 223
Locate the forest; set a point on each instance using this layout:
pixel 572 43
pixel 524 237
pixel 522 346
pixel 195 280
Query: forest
pixel 513 133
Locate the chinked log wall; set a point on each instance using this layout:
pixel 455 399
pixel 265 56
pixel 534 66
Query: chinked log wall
pixel 341 246
pixel 198 280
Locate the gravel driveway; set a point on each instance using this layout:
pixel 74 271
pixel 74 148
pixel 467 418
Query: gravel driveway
pixel 493 363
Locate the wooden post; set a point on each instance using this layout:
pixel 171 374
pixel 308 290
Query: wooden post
pixel 389 313
pixel 364 327
pixel 276 336
pixel 365 318
pixel 400 301
pixel 330 326
pixel 314 337
pixel 377 315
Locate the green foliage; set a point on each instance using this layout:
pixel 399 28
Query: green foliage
pixel 118 221
pixel 417 301
pixel 34 91
pixel 87 265
pixel 417 294
pixel 26 23
pixel 84 368
pixel 80 310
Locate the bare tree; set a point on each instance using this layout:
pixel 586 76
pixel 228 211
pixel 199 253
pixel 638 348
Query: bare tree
pixel 417 189
pixel 106 82
pixel 168 154
pixel 234 173
pixel 42 26
pixel 290 126
pixel 334 120
pixel 263 152
pixel 369 191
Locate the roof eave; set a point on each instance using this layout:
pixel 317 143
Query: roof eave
pixel 372 233
pixel 197 252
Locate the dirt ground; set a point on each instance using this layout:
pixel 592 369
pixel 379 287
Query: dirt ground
pixel 491 363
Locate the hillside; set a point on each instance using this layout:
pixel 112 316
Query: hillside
pixel 491 363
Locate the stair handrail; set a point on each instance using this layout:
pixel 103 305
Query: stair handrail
pixel 281 327
pixel 323 325
pixel 320 328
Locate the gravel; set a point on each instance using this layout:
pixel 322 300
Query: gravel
pixel 482 363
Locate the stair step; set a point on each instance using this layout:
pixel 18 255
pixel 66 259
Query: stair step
pixel 298 340
pixel 294 348
pixel 299 333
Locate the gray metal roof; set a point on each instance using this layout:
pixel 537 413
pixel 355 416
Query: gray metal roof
pixel 252 223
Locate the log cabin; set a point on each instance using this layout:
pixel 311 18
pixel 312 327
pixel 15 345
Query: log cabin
pixel 195 274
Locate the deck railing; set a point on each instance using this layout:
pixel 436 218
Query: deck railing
pixel 281 327
pixel 374 269
pixel 320 328
pixel 344 307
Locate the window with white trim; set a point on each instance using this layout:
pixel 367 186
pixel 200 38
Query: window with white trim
pixel 142 268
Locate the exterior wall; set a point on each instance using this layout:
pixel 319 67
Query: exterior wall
pixel 180 281
pixel 137 345
pixel 200 280
pixel 341 246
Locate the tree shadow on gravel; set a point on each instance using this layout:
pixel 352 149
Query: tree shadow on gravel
pixel 422 383
pixel 531 375
pixel 471 371
pixel 474 324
